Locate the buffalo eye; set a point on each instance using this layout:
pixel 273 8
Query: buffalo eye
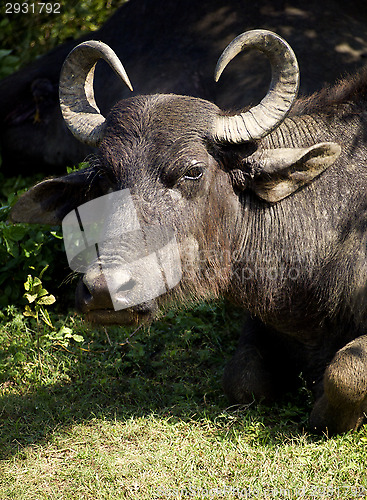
pixel 194 173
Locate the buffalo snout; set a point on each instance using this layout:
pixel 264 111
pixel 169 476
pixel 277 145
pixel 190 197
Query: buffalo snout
pixel 92 292
pixel 93 300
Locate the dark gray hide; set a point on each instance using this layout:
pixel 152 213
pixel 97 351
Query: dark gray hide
pixel 277 224
pixel 174 50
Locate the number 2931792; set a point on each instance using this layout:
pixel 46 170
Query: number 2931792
pixel 33 8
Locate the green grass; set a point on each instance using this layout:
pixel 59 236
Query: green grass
pixel 157 457
pixel 141 414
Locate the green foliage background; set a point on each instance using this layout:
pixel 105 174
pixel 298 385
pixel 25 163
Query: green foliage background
pixel 27 248
pixel 30 35
pixel 24 248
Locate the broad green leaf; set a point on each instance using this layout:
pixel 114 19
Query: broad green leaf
pixel 28 283
pixel 78 338
pixel 31 297
pixel 28 312
pixel 5 52
pixel 46 300
pixel 16 232
pixel 36 282
pixel 64 330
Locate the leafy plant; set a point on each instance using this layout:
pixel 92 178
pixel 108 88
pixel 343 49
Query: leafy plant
pixel 38 298
pixel 25 247
pixel 63 336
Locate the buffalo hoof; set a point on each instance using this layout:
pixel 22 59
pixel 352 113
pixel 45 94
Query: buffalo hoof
pixel 343 405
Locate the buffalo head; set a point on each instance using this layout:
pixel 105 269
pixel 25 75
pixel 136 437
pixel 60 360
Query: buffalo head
pixel 193 175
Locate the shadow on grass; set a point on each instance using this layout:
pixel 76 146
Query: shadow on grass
pixel 33 419
pixel 172 370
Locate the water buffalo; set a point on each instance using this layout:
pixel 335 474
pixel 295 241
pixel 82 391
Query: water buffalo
pixel 174 49
pixel 267 206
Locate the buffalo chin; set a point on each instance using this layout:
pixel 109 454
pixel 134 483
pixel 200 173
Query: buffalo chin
pixel 126 317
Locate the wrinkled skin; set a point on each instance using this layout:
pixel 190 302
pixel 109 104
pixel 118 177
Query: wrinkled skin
pixel 277 225
pixel 175 50
pixel 154 161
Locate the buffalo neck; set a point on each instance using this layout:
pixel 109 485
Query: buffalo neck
pixel 289 249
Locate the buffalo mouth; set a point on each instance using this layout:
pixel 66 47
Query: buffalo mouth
pixel 99 309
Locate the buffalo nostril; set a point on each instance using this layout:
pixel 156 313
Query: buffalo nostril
pixel 83 298
pixel 86 295
pixel 93 291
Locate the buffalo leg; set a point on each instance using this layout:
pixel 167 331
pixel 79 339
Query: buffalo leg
pixel 260 368
pixel 343 404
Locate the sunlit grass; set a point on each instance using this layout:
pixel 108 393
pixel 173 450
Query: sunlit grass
pixel 142 415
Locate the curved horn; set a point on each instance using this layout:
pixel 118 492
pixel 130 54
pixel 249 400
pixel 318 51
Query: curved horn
pixel 76 94
pixel 260 120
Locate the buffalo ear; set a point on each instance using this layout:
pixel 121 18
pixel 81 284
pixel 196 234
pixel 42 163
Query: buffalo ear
pixel 49 201
pixel 283 171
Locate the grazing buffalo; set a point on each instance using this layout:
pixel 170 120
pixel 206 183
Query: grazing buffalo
pixel 266 206
pixel 173 48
